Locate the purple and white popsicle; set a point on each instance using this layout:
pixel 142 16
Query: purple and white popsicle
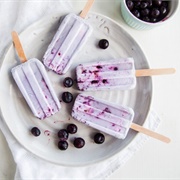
pixel 113 74
pixel 70 37
pixel 33 82
pixel 106 117
pixel 109 118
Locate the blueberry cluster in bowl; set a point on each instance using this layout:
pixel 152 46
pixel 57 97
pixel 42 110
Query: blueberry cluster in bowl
pixel 149 10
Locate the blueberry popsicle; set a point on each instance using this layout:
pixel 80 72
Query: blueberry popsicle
pixel 70 37
pixel 114 74
pixel 108 117
pixel 34 84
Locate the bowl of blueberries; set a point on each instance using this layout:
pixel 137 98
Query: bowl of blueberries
pixel 146 14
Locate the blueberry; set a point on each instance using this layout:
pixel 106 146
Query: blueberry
pixel 143 5
pixel 144 12
pixel 136 13
pixel 163 11
pixel 103 43
pixel 99 138
pixel 79 142
pixel 149 3
pixel 35 131
pixel 63 134
pixel 154 20
pixel 72 128
pixel 165 4
pixel 137 4
pixel 157 3
pixel 146 18
pixel 68 82
pixel 155 13
pixel 130 4
pixel 63 145
pixel 67 97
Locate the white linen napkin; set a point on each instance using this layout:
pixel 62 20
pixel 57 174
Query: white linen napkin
pixel 17 15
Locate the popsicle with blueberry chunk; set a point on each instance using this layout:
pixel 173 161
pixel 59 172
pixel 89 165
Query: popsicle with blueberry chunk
pixel 34 84
pixel 115 120
pixel 113 74
pixel 70 37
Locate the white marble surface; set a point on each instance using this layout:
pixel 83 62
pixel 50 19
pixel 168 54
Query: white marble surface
pixel 155 160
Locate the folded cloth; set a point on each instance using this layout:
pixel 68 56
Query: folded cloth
pixel 30 166
pixel 17 15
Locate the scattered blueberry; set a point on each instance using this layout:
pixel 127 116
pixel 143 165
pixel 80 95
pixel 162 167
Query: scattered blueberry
pixel 103 43
pixel 79 142
pixel 68 82
pixel 99 138
pixel 63 145
pixel 35 131
pixel 149 10
pixel 63 134
pixel 72 128
pixel 67 97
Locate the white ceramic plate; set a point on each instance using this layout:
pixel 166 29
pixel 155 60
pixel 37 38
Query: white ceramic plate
pixel 19 118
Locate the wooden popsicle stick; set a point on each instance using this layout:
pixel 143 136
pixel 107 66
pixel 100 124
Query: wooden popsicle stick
pixel 86 8
pixel 150 133
pixel 18 47
pixel 151 72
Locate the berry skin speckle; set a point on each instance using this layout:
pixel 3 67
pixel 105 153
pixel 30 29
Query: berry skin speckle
pixel 94 82
pixel 99 67
pixel 35 131
pixel 103 43
pixel 104 81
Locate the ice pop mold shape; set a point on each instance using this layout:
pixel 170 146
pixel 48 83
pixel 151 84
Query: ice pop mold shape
pixel 107 118
pixel 34 84
pixel 113 74
pixel 115 120
pixel 70 37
